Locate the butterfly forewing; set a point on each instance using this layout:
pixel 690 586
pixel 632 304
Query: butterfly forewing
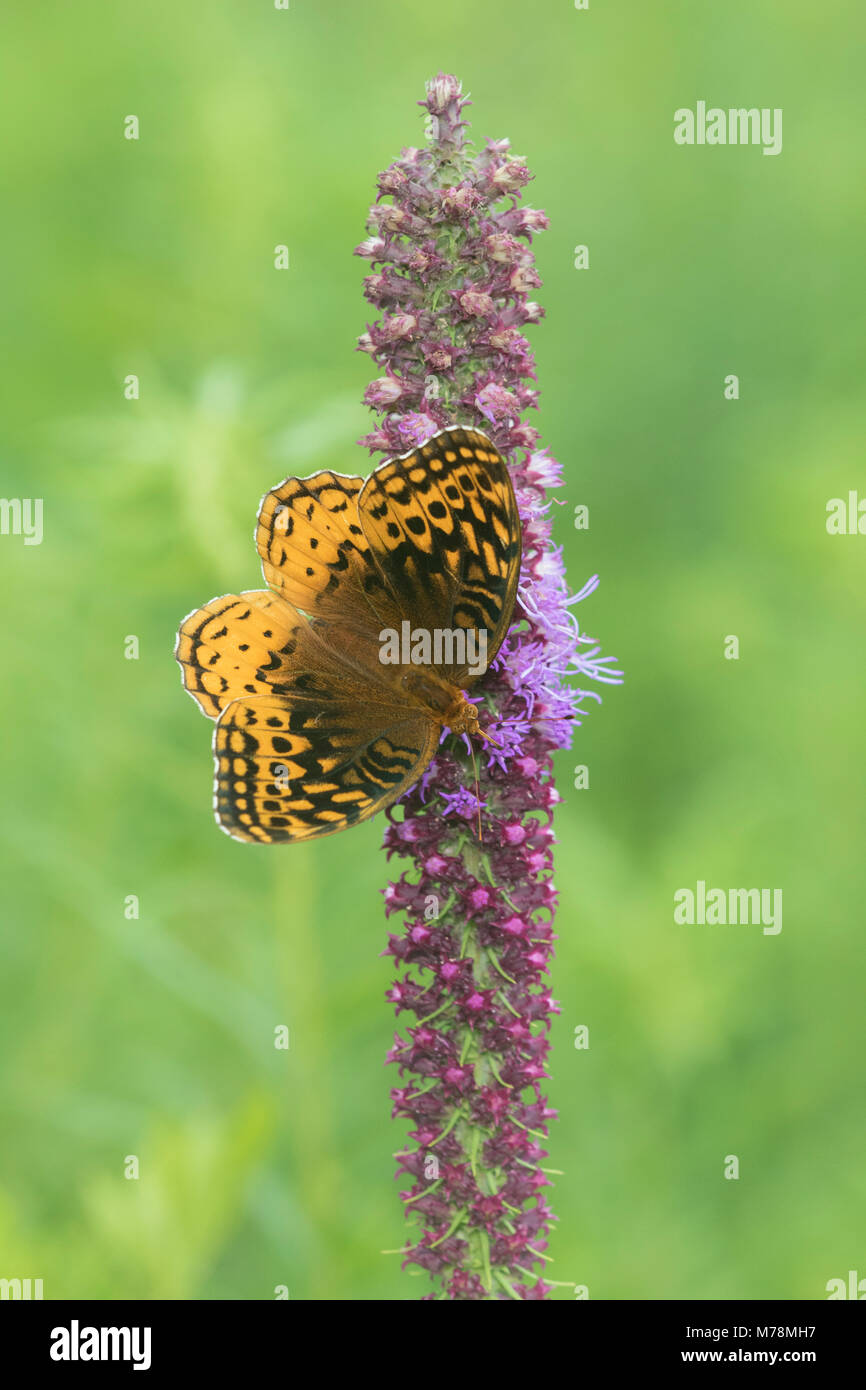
pixel 315 554
pixel 256 643
pixel 443 527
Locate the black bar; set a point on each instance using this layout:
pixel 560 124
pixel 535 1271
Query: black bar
pixel 226 1337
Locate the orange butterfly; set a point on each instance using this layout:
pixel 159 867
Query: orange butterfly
pixel 330 688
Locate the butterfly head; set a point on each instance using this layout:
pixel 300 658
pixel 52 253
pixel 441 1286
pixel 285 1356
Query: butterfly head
pixel 448 706
pixel 462 718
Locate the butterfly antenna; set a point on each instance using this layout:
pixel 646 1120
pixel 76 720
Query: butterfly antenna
pixel 477 789
pixel 488 739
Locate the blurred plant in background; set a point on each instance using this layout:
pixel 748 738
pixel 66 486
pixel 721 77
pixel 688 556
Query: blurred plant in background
pixel 707 517
pixel 452 274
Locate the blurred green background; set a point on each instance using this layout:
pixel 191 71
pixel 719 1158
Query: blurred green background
pixel 154 1037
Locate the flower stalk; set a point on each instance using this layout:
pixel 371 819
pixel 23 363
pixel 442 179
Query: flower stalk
pixel 452 271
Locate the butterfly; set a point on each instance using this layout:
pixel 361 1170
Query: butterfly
pixel 386 598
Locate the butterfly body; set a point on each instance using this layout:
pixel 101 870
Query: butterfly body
pixel 316 726
pixel 443 702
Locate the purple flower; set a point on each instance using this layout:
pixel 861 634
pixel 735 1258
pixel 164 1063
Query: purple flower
pixel 456 266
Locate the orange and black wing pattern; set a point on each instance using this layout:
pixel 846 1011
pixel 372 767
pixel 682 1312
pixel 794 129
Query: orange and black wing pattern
pixel 313 732
pixel 443 525
pixel 303 768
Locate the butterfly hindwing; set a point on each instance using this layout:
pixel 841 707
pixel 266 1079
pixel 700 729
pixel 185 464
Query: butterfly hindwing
pixel 298 770
pixel 234 646
pixel 444 529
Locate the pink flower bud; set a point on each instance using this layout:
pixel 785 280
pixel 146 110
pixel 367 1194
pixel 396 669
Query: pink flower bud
pixel 502 247
pixel 464 199
pixel 372 248
pixel 393 180
pixel 440 91
pixel 505 338
pixel 477 303
pixel 510 176
pixel 533 219
pixel 383 392
pixel 397 326
pixel 524 278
